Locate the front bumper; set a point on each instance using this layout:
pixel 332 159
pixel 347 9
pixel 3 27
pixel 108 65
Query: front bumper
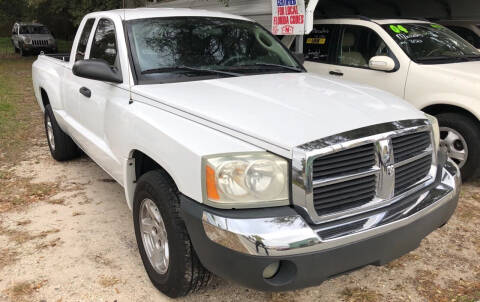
pixel 239 244
pixel 35 48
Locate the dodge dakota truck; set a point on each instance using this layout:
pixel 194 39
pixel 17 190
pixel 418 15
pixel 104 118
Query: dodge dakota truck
pixel 235 160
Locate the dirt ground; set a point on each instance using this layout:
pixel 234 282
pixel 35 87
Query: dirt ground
pixel 66 233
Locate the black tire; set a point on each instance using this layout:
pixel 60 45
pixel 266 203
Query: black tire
pixel 470 131
pixel 185 273
pixel 64 147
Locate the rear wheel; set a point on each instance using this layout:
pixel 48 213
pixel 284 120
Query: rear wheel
pixel 61 145
pixel 460 134
pixel 165 247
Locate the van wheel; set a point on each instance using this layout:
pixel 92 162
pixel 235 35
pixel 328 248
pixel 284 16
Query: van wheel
pixel 61 145
pixel 461 136
pixel 165 247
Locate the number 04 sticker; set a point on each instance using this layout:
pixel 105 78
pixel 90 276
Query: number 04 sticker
pixel 398 29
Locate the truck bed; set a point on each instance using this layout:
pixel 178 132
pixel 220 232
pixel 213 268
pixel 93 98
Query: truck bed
pixel 60 56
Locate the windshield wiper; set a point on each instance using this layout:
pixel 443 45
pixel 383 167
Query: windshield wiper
pixel 444 58
pixel 280 66
pixel 183 67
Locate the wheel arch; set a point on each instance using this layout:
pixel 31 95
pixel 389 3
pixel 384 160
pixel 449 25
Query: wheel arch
pixel 444 108
pixel 45 100
pixel 139 163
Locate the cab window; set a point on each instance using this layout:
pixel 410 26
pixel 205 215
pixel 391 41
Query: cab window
pixel 82 43
pixel 316 45
pixel 104 44
pixel 358 44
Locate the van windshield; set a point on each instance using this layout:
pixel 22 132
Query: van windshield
pixel 34 30
pixel 431 43
pixel 194 48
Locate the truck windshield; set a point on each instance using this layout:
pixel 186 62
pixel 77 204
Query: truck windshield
pixel 184 49
pixel 34 30
pixel 431 43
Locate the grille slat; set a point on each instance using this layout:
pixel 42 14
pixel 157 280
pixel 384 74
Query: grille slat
pixel 409 174
pixel 348 161
pixel 344 195
pixel 410 145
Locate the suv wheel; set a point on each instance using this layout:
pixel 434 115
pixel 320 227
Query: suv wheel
pixel 23 52
pixel 461 136
pixel 165 247
pixel 61 145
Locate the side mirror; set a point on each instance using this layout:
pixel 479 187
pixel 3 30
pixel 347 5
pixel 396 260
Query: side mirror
pixel 382 63
pixel 300 57
pixel 95 69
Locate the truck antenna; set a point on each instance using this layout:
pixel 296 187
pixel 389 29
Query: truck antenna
pixel 130 101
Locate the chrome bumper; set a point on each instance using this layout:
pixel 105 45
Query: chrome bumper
pixel 292 235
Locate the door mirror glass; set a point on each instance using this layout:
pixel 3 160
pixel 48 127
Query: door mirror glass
pixel 382 63
pixel 96 69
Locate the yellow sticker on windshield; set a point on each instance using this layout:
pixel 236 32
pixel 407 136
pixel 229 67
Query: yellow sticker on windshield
pixel 436 25
pixel 320 41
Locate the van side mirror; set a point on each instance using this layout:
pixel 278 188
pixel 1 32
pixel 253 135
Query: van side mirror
pixel 300 57
pixel 95 69
pixel 382 63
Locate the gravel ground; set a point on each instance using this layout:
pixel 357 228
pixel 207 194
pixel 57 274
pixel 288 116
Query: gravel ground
pixel 66 234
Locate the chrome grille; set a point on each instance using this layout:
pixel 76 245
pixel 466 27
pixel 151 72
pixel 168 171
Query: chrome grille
pixel 361 170
pixel 344 162
pixel 407 146
pixel 40 42
pixel 409 174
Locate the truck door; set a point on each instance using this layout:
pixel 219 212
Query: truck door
pixel 357 45
pixel 94 98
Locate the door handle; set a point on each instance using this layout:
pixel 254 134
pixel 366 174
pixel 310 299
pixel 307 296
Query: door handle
pixel 86 92
pixel 336 73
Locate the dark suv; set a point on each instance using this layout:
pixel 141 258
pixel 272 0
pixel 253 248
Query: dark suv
pixel 30 38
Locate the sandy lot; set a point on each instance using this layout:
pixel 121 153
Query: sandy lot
pixel 66 234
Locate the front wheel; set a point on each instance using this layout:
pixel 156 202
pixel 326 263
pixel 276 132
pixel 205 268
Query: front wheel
pixel 460 134
pixel 165 247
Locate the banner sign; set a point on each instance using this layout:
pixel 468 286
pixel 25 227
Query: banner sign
pixel 288 17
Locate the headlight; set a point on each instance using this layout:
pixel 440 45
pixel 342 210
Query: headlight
pixel 51 41
pixel 435 128
pixel 27 40
pixel 257 179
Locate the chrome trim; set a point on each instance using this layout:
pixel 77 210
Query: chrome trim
pixel 381 136
pixel 291 235
pixel 427 151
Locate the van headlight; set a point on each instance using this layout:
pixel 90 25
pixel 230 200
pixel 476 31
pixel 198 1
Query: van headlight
pixel 245 180
pixel 435 129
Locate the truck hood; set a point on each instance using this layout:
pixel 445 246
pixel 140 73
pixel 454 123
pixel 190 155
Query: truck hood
pixel 285 110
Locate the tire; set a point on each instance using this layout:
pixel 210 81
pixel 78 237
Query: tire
pixel 184 273
pixel 468 132
pixel 61 146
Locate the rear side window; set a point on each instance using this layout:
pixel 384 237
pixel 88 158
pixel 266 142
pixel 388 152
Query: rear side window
pixel 104 44
pixel 317 44
pixel 82 44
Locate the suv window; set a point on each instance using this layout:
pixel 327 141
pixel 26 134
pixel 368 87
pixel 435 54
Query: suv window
pixel 317 44
pixel 82 43
pixel 104 44
pixel 466 34
pixel 358 45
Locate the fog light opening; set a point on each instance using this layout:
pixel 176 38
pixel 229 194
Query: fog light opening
pixel 271 270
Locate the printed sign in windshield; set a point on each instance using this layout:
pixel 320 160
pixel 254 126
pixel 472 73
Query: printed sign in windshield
pixel 288 17
pixel 431 43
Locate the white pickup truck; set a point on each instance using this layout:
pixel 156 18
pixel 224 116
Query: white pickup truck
pixel 425 63
pixel 237 161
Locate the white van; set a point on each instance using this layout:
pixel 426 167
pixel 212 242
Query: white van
pixel 422 62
